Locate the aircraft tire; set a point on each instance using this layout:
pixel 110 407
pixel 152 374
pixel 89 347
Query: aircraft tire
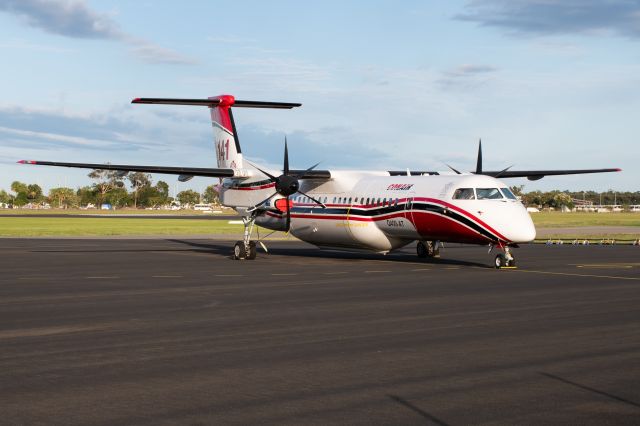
pixel 422 250
pixel 500 261
pixel 239 251
pixel 252 250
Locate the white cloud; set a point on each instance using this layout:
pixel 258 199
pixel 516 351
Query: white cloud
pixel 74 19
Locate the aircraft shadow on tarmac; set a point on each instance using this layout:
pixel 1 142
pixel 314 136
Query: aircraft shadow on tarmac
pixel 226 249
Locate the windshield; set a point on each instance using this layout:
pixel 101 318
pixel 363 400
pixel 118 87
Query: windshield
pixel 507 193
pixel 488 194
pixel 464 194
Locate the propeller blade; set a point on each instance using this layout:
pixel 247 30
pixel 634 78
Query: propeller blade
pixel 457 172
pixel 250 209
pixel 479 163
pixel 288 225
pixel 299 175
pixel 313 199
pixel 286 158
pixel 502 171
pixel 270 176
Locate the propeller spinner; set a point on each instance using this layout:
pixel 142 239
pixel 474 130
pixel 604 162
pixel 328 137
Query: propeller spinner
pixel 287 184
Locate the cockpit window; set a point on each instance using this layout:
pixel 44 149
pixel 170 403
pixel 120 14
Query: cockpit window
pixel 464 194
pixel 507 193
pixel 488 194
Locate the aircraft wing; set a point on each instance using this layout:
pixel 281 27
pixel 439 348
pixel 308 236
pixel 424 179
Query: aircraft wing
pixel 539 174
pixel 186 172
pixel 183 171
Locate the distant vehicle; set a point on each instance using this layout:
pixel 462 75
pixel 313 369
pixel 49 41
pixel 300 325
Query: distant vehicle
pixel 376 210
pixel 635 208
pixel 202 207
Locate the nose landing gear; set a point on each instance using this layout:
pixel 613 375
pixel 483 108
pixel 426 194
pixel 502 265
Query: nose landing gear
pixel 503 260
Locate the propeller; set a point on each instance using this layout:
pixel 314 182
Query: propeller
pixel 479 162
pixel 479 165
pixel 287 184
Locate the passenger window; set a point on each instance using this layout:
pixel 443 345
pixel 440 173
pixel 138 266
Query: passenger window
pixel 488 194
pixel 464 194
pixel 334 200
pixel 367 201
pixel 362 200
pixel 507 193
pixel 349 200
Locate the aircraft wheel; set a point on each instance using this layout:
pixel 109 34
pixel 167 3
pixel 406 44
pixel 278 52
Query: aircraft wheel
pixel 252 250
pixel 239 251
pixel 422 250
pixel 500 261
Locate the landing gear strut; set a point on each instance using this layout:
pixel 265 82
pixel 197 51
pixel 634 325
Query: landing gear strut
pixel 246 249
pixel 505 260
pixel 428 249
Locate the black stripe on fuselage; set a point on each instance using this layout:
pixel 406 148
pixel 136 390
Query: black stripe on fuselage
pixel 400 207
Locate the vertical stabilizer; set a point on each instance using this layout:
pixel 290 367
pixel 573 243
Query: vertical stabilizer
pixel 225 136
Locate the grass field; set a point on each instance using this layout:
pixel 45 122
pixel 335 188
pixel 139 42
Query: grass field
pixel 29 225
pixel 562 220
pixel 60 226
pixel 119 212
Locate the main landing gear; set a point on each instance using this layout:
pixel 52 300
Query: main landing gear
pixel 246 249
pixel 428 249
pixel 503 260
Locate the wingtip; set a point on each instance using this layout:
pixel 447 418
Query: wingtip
pixel 26 162
pixel 618 170
pixel 135 100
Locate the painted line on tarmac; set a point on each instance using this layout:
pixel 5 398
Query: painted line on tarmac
pixel 579 275
pixel 420 270
pixel 334 273
pixel 604 266
pixel 284 275
pixel 376 272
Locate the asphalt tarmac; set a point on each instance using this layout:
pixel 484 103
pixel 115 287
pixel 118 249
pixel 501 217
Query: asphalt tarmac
pixel 159 332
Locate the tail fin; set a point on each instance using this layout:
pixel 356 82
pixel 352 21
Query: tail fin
pixel 225 135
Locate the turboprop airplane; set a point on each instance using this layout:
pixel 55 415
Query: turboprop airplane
pixel 378 211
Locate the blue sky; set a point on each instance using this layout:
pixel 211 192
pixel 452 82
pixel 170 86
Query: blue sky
pixel 546 84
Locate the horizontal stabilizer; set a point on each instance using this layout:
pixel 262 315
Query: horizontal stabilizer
pixel 220 100
pixel 184 171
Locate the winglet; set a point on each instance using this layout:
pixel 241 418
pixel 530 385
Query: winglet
pixel 27 162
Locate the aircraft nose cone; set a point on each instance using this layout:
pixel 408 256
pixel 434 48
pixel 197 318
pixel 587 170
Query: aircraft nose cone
pixel 522 229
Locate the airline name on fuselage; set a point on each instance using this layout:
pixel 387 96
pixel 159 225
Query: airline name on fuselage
pixel 399 187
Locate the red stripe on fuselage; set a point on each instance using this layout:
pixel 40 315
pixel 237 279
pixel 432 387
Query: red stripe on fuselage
pixel 464 212
pixel 255 188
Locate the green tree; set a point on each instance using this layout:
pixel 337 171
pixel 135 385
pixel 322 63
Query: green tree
pixel 211 195
pixel 34 193
pixel 518 190
pixel 63 197
pixel 5 197
pixel 118 197
pixel 188 197
pixel 21 190
pixel 138 180
pixel 87 195
pixel 108 180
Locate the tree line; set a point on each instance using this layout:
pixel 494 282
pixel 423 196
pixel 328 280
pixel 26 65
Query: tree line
pixel 558 199
pixel 110 187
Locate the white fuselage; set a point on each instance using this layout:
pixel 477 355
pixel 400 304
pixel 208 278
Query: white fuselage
pixel 374 211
